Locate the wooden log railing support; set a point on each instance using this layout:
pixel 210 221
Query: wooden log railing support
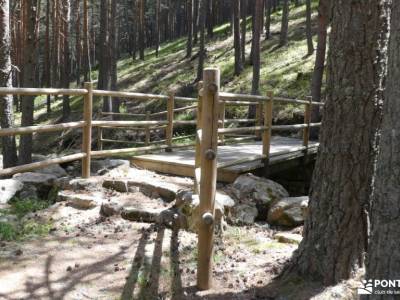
pixel 87 130
pixel 221 118
pixel 147 140
pixel 170 120
pixel 266 138
pixel 307 121
pixel 259 120
pixel 208 177
pixel 197 163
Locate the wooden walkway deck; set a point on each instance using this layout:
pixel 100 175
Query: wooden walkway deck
pixel 284 150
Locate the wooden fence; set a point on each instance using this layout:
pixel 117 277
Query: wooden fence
pixel 210 132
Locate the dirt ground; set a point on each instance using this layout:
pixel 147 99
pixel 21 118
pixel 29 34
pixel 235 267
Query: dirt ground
pixel 87 256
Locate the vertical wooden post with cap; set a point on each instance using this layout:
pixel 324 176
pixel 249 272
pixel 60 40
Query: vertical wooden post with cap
pixel 197 163
pixel 170 119
pixel 87 129
pixel 208 176
pixel 259 119
pixel 307 121
pixel 267 133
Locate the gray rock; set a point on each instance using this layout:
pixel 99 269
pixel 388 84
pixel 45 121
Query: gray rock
pixel 36 185
pixel 55 170
pixel 116 185
pixel 244 214
pixel 145 215
pixel 188 205
pixel 102 167
pixel 8 189
pixel 288 238
pixel 80 201
pixel 250 189
pixel 288 211
pixel 109 209
pixel 79 184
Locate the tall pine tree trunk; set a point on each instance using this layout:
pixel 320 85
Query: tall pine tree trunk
pixel 335 233
pixel 196 7
pixel 6 101
pixel 202 50
pixel 189 46
pixel 243 12
pixel 114 53
pixel 104 66
pixel 141 28
pixel 236 36
pixel 268 19
pixel 310 44
pixel 285 24
pixel 86 49
pixel 67 63
pixel 383 255
pixel 29 71
pixel 157 41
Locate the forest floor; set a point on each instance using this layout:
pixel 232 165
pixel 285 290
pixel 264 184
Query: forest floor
pixel 84 255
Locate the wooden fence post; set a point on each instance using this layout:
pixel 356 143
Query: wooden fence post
pixel 170 119
pixel 266 138
pixel 307 121
pixel 147 141
pixel 259 119
pixel 208 177
pixel 221 122
pixel 87 130
pixel 197 163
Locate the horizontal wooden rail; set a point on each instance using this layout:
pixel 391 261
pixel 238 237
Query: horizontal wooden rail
pixel 185 122
pixel 175 110
pixel 41 164
pixel 127 123
pixel 129 95
pixel 185 99
pixel 122 114
pixel 296 101
pixel 37 91
pixel 41 128
pixel 241 129
pixel 293 127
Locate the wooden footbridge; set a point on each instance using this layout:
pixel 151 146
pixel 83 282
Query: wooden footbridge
pixel 220 146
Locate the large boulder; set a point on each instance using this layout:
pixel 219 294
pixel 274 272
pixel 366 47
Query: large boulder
pixel 244 214
pixel 261 192
pixel 36 185
pixel 55 170
pixel 8 189
pixel 188 204
pixel 289 211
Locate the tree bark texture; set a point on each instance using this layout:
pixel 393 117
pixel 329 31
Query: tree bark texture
pixel 335 233
pixel 383 254
pixel 6 101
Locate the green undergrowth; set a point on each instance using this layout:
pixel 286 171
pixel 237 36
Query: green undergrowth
pixel 13 224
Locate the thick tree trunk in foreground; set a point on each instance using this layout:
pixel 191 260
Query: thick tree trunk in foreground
pixel 236 39
pixel 285 24
pixel 29 71
pixel 335 233
pixel 383 254
pixel 6 101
